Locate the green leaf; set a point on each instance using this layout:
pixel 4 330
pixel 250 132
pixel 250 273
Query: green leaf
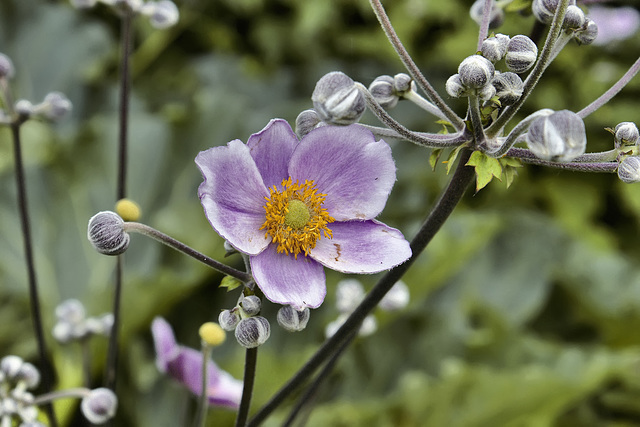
pixel 434 157
pixel 518 6
pixel 486 169
pixel 230 283
pixel 509 169
pixel 452 158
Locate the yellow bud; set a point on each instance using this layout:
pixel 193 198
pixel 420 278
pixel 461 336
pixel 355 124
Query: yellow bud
pixel 128 209
pixel 212 334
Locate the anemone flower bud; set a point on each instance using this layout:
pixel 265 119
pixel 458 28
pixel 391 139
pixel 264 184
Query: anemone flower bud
pixel 626 133
pixel 383 91
pixel 494 48
pixel 587 33
pixel 560 136
pixel 574 18
pixel 29 374
pixel 71 310
pixel 544 10
pixel 403 83
pixel 6 66
pixel 162 14
pixel 476 71
pixel 293 320
pixel 495 19
pixel 629 170
pixel 521 54
pixel 508 86
pixel 24 108
pixel 99 405
pixel 10 366
pixel 487 92
pixel 54 107
pixel 397 298
pixel 106 233
pixel 253 331
pixel 454 86
pixel 337 99
pixel 228 320
pixel 307 121
pixel 349 293
pixel 251 305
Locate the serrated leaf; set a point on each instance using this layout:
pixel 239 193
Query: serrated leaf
pixel 509 174
pixel 230 283
pixel 434 157
pixel 451 160
pixel 510 161
pixel 486 168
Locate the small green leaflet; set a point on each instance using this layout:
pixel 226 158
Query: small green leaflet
pixel 518 6
pixel 230 283
pixel 489 167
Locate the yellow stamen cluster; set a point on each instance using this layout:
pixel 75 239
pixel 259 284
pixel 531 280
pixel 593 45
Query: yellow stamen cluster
pixel 295 218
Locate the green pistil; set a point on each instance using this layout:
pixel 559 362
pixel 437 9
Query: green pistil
pixel 298 215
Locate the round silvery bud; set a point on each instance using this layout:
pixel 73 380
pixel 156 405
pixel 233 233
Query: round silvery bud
pixel 494 48
pixel 10 366
pixel 228 320
pixel 24 108
pixel 383 91
pixel 497 14
pixel 588 33
pixel 293 320
pixel 251 305
pixel 454 86
pixel 162 14
pixel 6 66
pixel 560 136
pixel 106 233
pixel 403 83
pixel 544 10
pixel 307 121
pixel 253 331
pixel 71 310
pixel 487 92
pixel 55 106
pixel 29 374
pixel 508 86
pixel 397 298
pixel 337 99
pixel 476 71
pixel 349 293
pixel 629 169
pixel 626 133
pixel 99 405
pixel 574 18
pixel 521 54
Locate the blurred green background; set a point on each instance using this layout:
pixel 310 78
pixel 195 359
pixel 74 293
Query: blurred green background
pixel 525 309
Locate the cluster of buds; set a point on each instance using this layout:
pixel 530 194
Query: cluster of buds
pixel 387 90
pixel 16 402
pixel 162 14
pixel 350 293
pixel 626 139
pixel 583 29
pixel 74 325
pixel 251 330
pixel 557 136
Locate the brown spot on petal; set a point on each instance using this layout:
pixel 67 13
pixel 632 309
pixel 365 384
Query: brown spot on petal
pixel 338 251
pixel 360 216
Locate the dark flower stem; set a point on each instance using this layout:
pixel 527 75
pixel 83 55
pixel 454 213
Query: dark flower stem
pixel 249 379
pixel 34 297
pixel 526 156
pixel 203 404
pixel 112 352
pixel 449 199
pixel 484 25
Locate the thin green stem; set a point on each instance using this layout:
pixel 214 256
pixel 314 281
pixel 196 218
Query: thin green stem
pixel 78 392
pixel 411 66
pixel 181 247
pixel 250 363
pixel 34 297
pixel 447 202
pixel 203 401
pixel 427 106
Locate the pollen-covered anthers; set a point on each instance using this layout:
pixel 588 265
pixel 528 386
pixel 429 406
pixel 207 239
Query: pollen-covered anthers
pixel 295 218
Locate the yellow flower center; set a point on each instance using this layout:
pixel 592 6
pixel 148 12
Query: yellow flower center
pixel 295 218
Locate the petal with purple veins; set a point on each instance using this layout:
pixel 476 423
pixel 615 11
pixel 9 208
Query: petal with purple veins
pixel 271 149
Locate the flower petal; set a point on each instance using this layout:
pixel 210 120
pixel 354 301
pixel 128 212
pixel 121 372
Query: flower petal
pixel 271 149
pixel 289 281
pixel 165 343
pixel 355 171
pixel 232 195
pixel 225 390
pixel 362 247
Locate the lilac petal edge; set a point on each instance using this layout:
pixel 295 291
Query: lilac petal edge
pixel 271 149
pixel 164 342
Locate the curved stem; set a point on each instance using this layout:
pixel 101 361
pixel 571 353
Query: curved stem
pixel 78 392
pixel 249 379
pixel 528 157
pixel 34 297
pixel 534 76
pixel 411 66
pixel 613 90
pixel 415 97
pixel 449 199
pixel 181 247
pixel 424 140
pixel 520 129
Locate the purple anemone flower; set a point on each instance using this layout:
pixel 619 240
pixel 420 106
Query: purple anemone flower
pixel 296 206
pixel 185 365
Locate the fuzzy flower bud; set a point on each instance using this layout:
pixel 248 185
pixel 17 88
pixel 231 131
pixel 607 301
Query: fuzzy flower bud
pixel 10 366
pixel 383 91
pixel 494 48
pixel 162 14
pixel 476 71
pixel 99 405
pixel 397 298
pixel 251 305
pixel 337 100
pixel 587 33
pixel 29 374
pixel 560 136
pixel 293 320
pixel 307 121
pixel 497 14
pixel 228 320
pixel 349 293
pixel 545 9
pixel 24 108
pixel 521 54
pixel 253 331
pixel 626 133
pixel 487 92
pixel 403 83
pixel 6 66
pixel 508 86
pixel 574 18
pixel 106 233
pixel 54 107
pixel 629 170
pixel 454 86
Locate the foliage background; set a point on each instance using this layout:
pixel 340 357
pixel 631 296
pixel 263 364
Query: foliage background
pixel 525 309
